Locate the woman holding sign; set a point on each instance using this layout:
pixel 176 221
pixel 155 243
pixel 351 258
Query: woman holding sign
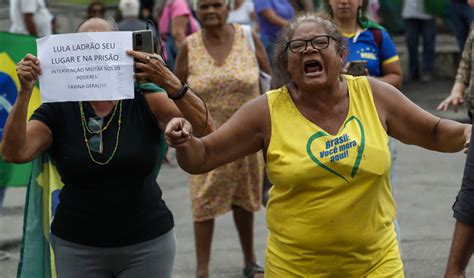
pixel 324 136
pixel 111 220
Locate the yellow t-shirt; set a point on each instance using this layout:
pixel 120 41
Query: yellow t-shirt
pixel 331 209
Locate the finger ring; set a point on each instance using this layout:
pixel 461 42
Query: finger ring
pixel 147 59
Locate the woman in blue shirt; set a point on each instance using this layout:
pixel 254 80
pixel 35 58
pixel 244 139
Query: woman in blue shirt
pixel 366 40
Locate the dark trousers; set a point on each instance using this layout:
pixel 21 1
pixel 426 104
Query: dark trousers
pixel 462 17
pixel 427 29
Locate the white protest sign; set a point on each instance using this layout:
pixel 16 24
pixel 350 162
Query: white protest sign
pixel 86 66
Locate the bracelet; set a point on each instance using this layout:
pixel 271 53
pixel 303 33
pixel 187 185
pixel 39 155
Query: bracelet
pixel 181 93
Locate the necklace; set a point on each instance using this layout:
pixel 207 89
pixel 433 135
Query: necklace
pixel 85 129
pixel 105 127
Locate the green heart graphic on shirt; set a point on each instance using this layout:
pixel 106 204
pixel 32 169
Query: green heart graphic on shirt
pixel 321 134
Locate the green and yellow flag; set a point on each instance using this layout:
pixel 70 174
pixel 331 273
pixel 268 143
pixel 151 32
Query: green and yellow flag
pixel 12 48
pixel 41 177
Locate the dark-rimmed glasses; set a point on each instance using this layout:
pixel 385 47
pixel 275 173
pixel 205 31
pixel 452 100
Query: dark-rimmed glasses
pixel 95 141
pixel 317 42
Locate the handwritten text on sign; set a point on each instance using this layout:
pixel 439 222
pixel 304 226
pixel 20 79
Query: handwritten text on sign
pixel 86 66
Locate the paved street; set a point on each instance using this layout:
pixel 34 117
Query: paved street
pixel 426 186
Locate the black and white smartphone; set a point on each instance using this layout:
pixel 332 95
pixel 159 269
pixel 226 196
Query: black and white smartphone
pixel 357 68
pixel 143 41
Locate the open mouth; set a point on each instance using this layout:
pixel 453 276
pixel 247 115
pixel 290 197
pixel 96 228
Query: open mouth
pixel 312 66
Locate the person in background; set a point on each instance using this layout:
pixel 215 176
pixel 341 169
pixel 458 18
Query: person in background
pixel 111 220
pixel 243 13
pixel 96 9
pixel 373 10
pixel 463 81
pixel 146 9
pixel 272 16
pixel 217 57
pixel 303 5
pixel 130 10
pixel 30 17
pixel 324 134
pixel 462 244
pixel 463 237
pixel 417 23
pixel 366 40
pixel 462 17
pixel 175 23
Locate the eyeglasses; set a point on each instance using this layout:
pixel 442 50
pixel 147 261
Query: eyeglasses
pixel 318 42
pixel 95 141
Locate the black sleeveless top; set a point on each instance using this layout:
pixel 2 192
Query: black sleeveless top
pixel 116 204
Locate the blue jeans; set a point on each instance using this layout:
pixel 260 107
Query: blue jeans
pixel 269 46
pixel 427 29
pixel 462 17
pixel 2 195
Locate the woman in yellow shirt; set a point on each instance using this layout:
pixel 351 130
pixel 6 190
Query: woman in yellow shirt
pixel 324 136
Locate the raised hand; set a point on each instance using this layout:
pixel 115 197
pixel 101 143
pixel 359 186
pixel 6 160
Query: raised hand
pixel 28 71
pixel 153 68
pixel 454 100
pixel 178 132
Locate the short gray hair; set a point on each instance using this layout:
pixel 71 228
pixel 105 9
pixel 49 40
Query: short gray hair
pixel 280 53
pixel 109 21
pixel 229 3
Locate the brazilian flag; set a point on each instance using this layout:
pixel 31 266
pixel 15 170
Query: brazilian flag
pixel 12 48
pixel 37 257
pixel 40 176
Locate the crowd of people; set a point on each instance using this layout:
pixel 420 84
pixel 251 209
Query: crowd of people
pixel 323 138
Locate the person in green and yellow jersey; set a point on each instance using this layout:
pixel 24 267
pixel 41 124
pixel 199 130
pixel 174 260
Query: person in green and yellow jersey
pixel 324 136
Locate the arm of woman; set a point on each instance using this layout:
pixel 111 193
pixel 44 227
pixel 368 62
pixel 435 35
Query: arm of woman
pixel 410 124
pixel 246 132
pixel 272 17
pixel 390 62
pixel 261 53
pixel 178 29
pixel 188 105
pixel 392 74
pixel 181 65
pixel 22 142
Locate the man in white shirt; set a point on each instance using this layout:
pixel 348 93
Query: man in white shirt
pixel 30 17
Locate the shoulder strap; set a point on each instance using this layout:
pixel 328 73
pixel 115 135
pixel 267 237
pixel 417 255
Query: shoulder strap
pixel 378 38
pixel 248 36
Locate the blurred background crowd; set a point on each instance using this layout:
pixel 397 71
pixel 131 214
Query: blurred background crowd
pixel 176 19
